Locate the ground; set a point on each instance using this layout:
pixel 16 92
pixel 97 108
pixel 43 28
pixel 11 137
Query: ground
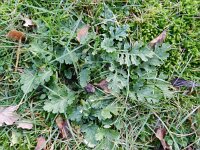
pixel 95 74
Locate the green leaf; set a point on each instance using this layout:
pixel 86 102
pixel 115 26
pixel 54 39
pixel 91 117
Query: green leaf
pixel 160 54
pixel 67 56
pixel 109 110
pixel 108 45
pixel 37 47
pixel 59 99
pixel 27 81
pixel 44 76
pixel 107 13
pixel 119 33
pixel 117 81
pixel 106 113
pixel 15 138
pixel 149 93
pixel 40 49
pixel 68 73
pixel 31 80
pixel 76 114
pixel 144 52
pixel 138 54
pixel 107 133
pixel 127 59
pixel 162 51
pixel 165 88
pixel 151 88
pixel 84 77
pixel 89 134
pixel 114 109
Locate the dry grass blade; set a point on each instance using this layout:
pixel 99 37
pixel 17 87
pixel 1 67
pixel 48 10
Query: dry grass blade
pixel 159 39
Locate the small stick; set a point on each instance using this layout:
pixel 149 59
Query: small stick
pixel 17 55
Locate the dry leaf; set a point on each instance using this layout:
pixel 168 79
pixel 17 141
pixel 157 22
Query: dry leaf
pixel 160 134
pixel 96 1
pixel 41 143
pixel 8 115
pixel 28 22
pixel 20 70
pixel 90 88
pixel 159 39
pixel 104 86
pixel 189 148
pixel 82 33
pixel 165 145
pixel 63 127
pixel 16 35
pixel 24 125
pixel 15 138
pixel 178 82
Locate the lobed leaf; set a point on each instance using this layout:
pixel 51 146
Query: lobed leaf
pixel 109 111
pixel 89 134
pixel 117 81
pixel 31 80
pixel 59 99
pixel 119 33
pixel 84 77
pixel 108 45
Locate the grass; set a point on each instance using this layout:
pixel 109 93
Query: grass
pixel 57 23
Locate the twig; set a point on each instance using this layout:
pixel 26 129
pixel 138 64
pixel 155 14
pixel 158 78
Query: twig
pixel 18 54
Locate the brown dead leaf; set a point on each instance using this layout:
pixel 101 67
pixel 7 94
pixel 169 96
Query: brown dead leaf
pixel 165 145
pixel 179 82
pixel 20 70
pixel 41 143
pixel 160 134
pixel 63 127
pixel 104 86
pixel 189 148
pixel 8 115
pixel 82 33
pixel 24 125
pixel 90 88
pixel 28 22
pixel 16 35
pixel 96 1
pixel 159 39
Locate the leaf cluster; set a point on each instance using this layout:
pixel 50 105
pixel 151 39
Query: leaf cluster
pixel 62 56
